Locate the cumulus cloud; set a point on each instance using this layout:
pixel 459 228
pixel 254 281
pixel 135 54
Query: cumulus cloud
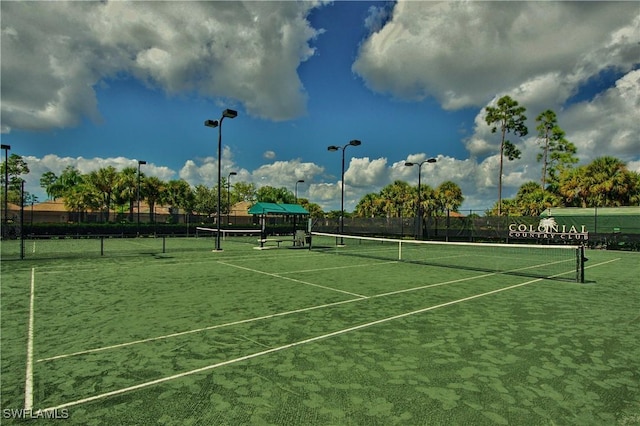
pixel 463 53
pixel 608 123
pixel 55 53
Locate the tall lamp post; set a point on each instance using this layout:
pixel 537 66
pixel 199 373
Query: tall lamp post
pixel 294 217
pixel 6 149
pixel 299 181
pixel 227 113
pixel 354 142
pixel 229 195
pixel 419 218
pixel 140 162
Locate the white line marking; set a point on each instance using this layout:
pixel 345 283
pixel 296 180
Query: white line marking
pixel 296 311
pixel 198 330
pixel 28 383
pixel 338 267
pixel 280 348
pixel 293 279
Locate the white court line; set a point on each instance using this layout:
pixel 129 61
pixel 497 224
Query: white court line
pixel 293 279
pixel 279 348
pixel 296 311
pixel 298 343
pixel 338 267
pixel 28 384
pixel 244 321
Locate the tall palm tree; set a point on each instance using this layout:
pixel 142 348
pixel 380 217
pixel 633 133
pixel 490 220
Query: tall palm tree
pixel 368 206
pixel 151 190
pixel 104 181
pixel 178 195
pixel 449 197
pixel 127 187
pixel 81 197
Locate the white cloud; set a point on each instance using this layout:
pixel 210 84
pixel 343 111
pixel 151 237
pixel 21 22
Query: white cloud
pixel 609 123
pixel 365 173
pixel 54 53
pixel 464 53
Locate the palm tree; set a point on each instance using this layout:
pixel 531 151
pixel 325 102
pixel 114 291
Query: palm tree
pixel 449 197
pixel 394 197
pixel 81 197
pixel 104 181
pixel 532 200
pixel 573 187
pixel 368 206
pixel 178 195
pixel 609 181
pixel 151 190
pixel 428 200
pixel 127 187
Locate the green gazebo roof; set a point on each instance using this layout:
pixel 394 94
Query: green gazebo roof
pixel 275 208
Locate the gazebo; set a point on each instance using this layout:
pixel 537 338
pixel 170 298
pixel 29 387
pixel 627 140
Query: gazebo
pixel 275 209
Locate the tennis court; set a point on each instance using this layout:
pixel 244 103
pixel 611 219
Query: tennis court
pixel 323 336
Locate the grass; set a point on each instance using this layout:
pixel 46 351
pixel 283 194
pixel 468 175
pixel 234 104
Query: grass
pixel 282 336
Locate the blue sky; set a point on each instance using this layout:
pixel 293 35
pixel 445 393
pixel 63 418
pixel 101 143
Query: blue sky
pixel 112 83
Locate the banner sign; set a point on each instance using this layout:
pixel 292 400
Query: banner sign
pixel 548 228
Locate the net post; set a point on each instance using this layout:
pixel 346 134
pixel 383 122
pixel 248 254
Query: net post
pixel 164 240
pixel 581 260
pixel 101 245
pixel 399 250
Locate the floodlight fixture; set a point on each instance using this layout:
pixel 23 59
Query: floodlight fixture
pixel 211 123
pixel 229 113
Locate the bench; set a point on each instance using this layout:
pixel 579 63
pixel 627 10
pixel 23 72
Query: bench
pixel 263 241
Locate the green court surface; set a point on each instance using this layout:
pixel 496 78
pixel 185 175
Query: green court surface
pixel 184 335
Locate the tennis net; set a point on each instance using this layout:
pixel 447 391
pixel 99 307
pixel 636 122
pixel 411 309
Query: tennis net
pixel 562 262
pixel 247 236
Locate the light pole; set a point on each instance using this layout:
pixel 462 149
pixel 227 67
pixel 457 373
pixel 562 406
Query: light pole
pixel 354 142
pixel 294 217
pixel 140 162
pixel 229 195
pixel 299 181
pixel 227 113
pixel 419 218
pixel 6 149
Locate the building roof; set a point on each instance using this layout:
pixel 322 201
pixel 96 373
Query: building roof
pixel 592 211
pixel 274 208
